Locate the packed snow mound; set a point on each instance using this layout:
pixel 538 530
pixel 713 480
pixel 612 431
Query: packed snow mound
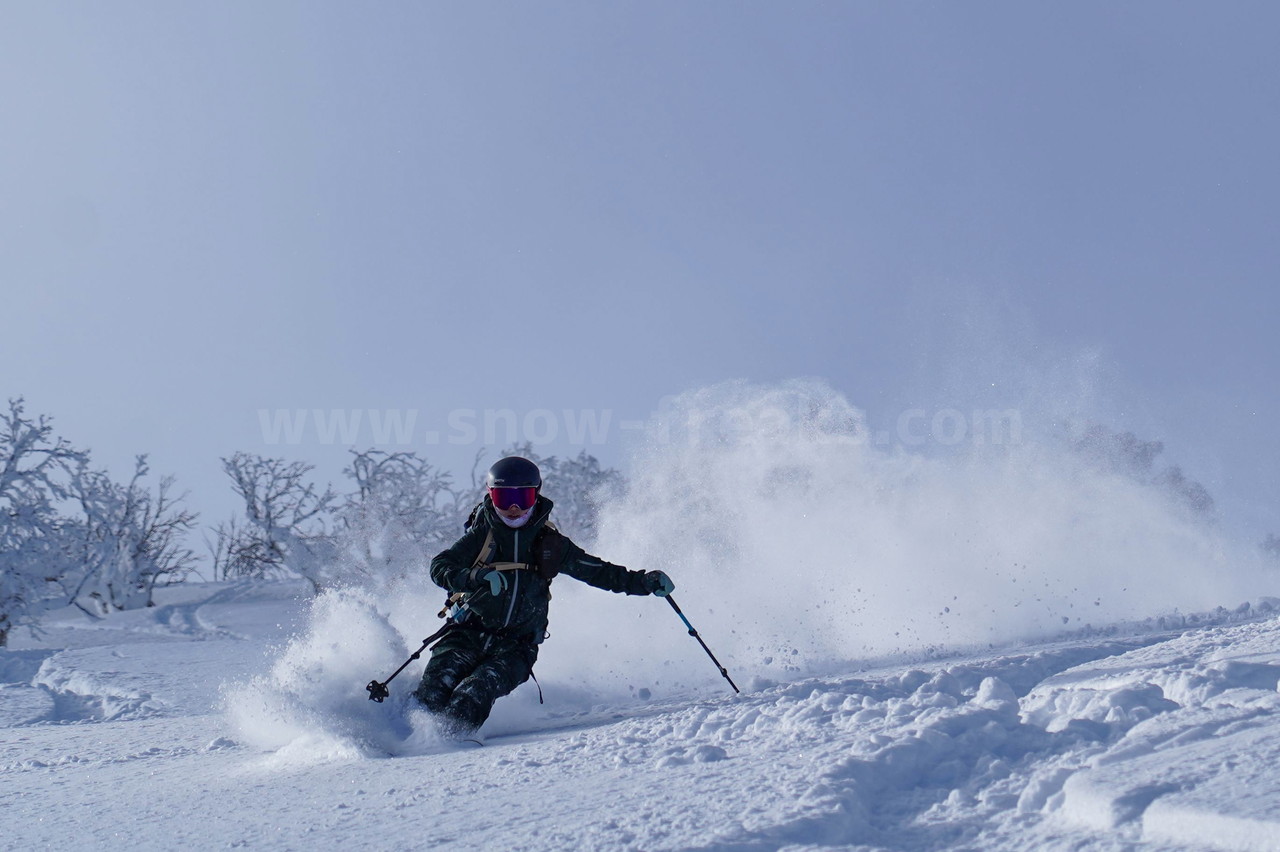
pixel 1200 722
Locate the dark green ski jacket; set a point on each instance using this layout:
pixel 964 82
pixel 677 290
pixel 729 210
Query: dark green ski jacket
pixel 520 611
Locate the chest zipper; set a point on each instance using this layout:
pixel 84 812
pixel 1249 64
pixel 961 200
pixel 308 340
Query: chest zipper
pixel 515 583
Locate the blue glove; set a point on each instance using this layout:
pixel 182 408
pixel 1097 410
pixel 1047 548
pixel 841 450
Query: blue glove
pixel 497 582
pixel 658 583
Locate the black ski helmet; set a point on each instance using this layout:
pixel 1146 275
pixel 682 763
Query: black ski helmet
pixel 513 472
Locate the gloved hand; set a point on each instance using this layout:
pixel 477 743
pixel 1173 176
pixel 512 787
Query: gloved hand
pixel 658 583
pixel 496 579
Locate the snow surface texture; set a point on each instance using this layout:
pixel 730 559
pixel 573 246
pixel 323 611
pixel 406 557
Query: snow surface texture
pixel 116 729
pixel 935 654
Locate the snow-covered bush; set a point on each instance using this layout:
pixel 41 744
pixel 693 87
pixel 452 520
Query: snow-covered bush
pixel 287 523
pixel 34 471
pixel 129 540
pixel 123 541
pixel 403 511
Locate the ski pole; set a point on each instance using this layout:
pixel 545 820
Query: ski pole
pixel 378 691
pixel 694 634
pixel 462 601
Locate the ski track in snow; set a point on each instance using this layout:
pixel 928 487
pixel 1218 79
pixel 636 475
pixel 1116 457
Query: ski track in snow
pixel 1151 739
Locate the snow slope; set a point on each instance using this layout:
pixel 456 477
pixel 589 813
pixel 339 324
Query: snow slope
pixel 236 716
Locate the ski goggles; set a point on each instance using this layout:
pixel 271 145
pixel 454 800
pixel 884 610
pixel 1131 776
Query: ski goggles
pixel 505 497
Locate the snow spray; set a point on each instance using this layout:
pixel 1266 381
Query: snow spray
pixel 802 545
pixel 311 703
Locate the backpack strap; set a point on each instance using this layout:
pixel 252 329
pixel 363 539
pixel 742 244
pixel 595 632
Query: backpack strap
pixel 486 551
pixel 548 549
pixel 484 559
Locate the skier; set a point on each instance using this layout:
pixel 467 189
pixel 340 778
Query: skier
pixel 499 579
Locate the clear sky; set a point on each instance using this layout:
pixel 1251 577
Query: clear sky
pixel 211 209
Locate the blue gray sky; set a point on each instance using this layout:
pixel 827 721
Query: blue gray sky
pixel 212 209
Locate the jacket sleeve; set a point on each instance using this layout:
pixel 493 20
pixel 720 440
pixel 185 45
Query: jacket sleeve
pixel 450 567
pixel 594 571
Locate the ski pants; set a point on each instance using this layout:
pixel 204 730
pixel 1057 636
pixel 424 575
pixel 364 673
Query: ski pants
pixel 469 670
